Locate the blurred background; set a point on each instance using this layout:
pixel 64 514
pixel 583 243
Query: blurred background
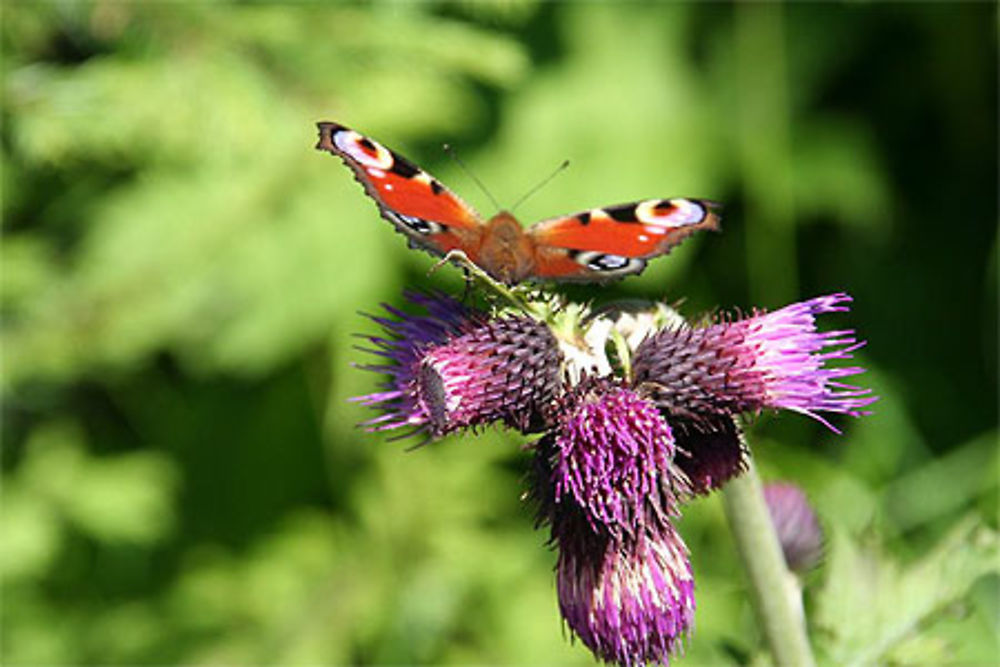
pixel 182 274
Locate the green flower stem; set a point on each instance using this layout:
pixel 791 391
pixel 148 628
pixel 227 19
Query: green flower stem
pixel 775 590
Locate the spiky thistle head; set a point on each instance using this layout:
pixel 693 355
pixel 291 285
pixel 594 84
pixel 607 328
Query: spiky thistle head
pixel 628 594
pixel 455 367
pixel 768 360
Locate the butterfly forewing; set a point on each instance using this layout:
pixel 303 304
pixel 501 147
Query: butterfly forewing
pixel 410 198
pixel 616 240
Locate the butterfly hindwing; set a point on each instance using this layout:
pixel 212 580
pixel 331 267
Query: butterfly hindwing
pixel 616 241
pixel 433 217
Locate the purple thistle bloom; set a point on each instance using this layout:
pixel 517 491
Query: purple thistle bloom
pixel 612 453
pixel 630 602
pixel 769 360
pixel 796 524
pixel 456 367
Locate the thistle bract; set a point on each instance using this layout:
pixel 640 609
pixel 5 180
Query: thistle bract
pixel 504 369
pixel 710 452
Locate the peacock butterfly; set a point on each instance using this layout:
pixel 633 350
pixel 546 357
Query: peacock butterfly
pixel 594 245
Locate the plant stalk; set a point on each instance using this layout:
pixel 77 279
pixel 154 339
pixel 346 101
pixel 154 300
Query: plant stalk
pixel 777 595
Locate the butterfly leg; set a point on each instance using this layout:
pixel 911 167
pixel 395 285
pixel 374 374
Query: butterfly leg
pixel 511 294
pixel 456 256
pixel 462 260
pixel 467 266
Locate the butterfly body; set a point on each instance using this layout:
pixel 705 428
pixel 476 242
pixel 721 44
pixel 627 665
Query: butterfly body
pixel 594 245
pixel 505 251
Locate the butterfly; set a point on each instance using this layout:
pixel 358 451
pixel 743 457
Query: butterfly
pixel 590 246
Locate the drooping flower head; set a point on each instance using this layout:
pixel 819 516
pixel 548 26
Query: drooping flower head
pixel 629 597
pixel 456 367
pixel 612 453
pixel 630 601
pixel 769 360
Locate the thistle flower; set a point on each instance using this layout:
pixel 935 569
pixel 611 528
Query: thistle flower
pixel 619 456
pixel 612 454
pixel 631 601
pixel 795 522
pixel 455 367
pixel 605 484
pixel 768 360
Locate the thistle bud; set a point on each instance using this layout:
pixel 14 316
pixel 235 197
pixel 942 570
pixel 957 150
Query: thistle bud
pixel 795 522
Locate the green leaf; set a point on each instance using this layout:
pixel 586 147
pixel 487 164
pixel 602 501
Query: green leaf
pixel 870 603
pixel 930 492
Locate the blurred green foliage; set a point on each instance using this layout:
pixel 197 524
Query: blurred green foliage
pixel 181 275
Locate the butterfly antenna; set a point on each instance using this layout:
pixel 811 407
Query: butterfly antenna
pixel 538 187
pixel 454 156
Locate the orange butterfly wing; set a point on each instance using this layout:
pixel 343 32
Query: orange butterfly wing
pixel 616 241
pixel 429 214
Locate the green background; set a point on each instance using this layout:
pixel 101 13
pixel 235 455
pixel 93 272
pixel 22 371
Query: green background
pixel 182 275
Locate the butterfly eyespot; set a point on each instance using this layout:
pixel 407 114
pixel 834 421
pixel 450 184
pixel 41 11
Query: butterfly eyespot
pixel 670 212
pixel 599 261
pixel 362 149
